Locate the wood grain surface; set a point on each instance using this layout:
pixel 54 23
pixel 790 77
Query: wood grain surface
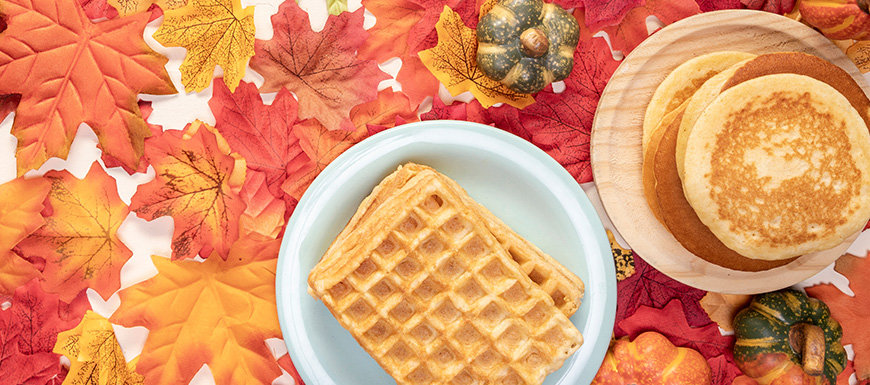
pixel 617 130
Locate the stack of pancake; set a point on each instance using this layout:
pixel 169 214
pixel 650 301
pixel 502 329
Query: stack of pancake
pixel 751 161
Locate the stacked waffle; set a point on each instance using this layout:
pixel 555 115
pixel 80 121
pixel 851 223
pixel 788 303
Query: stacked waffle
pixel 440 291
pixel 752 161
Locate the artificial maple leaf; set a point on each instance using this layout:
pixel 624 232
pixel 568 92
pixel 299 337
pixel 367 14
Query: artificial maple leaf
pixel 94 353
pixel 98 9
pixel 649 287
pixel 416 80
pixel 261 134
pixel 8 103
pixel 851 312
pixel 470 112
pixel 632 30
pixel 28 330
pixel 79 240
pixel 389 36
pixel 14 272
pixel 264 213
pixel 716 5
pixel 215 33
pixel 321 68
pixel 110 161
pixel 383 111
pixel 320 146
pixel 288 366
pixel 454 62
pixel 95 72
pixel 197 183
pixel 21 201
pixel 775 6
pixel 129 7
pixel 601 14
pixel 220 314
pixel 723 307
pixel 671 322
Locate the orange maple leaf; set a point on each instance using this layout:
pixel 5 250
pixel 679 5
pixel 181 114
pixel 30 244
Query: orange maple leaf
pixel 69 70
pixel 264 213
pixel 216 312
pixel 95 355
pixel 454 62
pixel 389 36
pixel 79 240
pixel 383 111
pixel 129 7
pixel 416 80
pixel 197 184
pixel 320 147
pixel 851 312
pixel 21 201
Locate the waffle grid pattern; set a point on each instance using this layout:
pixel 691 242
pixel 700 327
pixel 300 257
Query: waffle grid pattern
pixel 509 335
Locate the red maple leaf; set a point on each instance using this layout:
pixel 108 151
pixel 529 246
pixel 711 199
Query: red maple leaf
pixel 632 30
pixel 28 331
pixel 716 5
pixel 470 112
pixel 321 68
pixel 261 134
pixel 98 9
pixel 851 312
pixel 601 14
pixel 776 6
pixel 650 287
pixel 672 323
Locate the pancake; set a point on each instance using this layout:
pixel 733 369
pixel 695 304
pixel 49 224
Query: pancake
pixel 682 82
pixel 680 218
pixel 780 167
pixel 769 64
pixel 696 105
pixel 648 176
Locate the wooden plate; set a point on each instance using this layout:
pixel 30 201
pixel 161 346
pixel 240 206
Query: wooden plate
pixel 617 130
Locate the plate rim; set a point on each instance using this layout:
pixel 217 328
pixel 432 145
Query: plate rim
pixel 309 368
pixel 693 275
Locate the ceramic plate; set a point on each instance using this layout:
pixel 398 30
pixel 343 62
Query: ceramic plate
pixel 518 182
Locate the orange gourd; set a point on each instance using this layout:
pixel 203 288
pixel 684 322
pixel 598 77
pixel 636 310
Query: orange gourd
pixel 652 360
pixel 838 19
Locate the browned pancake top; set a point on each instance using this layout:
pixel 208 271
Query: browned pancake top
pixel 680 218
pixel 748 200
pixel 804 64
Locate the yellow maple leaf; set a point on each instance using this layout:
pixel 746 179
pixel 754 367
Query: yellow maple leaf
pixel 95 355
pixel 215 312
pixel 454 62
pixel 215 33
pixel 21 201
pixel 129 7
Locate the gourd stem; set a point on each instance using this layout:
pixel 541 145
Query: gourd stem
pixel 534 42
pixel 809 341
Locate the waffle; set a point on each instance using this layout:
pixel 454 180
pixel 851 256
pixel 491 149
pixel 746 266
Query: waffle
pixel 427 289
pixel 562 285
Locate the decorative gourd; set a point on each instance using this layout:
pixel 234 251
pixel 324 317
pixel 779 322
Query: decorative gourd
pixel 787 338
pixel 652 360
pixel 838 19
pixel 526 44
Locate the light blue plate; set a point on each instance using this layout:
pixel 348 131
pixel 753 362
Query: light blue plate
pixel 518 182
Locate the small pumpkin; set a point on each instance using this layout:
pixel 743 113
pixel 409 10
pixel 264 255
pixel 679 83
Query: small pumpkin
pixel 652 360
pixel 787 338
pixel 838 19
pixel 526 44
